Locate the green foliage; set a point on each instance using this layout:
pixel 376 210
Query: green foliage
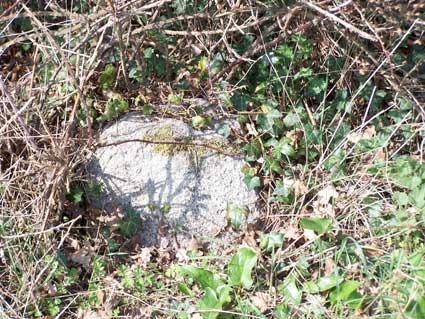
pixel 94 189
pixel 224 129
pixel 240 267
pixel 290 290
pixel 318 224
pixel 114 108
pixel 303 111
pixel 205 278
pixel 316 86
pixel 271 241
pixel 107 78
pixel 130 224
pixel 175 98
pixel 75 195
pixel 269 122
pixel 199 122
pixel 322 284
pixel 236 215
pixel 347 294
pixel 214 300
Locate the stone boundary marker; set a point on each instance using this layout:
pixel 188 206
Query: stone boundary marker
pixel 186 187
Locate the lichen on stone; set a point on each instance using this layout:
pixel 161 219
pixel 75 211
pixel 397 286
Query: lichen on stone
pixel 166 133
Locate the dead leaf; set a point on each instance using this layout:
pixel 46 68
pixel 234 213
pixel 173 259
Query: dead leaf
pixel 91 314
pixel 143 257
pixel 181 255
pixel 368 133
pixel 82 257
pixel 299 188
pixel 100 296
pixel 310 235
pixel 261 300
pixel 249 239
pixel 295 136
pixel 329 267
pixel 74 243
pixel 50 289
pixel 322 210
pixel 292 232
pixel 194 244
pixel 327 193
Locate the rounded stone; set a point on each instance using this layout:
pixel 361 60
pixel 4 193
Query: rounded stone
pixel 187 187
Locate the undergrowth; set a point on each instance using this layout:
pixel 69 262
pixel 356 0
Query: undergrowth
pixel 327 99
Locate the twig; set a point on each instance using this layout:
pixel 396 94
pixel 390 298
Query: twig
pixel 171 142
pixel 256 49
pixel 339 20
pixel 15 110
pixel 120 43
pixel 71 222
pixel 80 95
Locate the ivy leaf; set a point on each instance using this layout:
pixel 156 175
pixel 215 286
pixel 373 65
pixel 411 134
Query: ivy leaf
pixel 205 278
pixel 198 122
pixel 322 284
pixel 130 224
pixel 316 86
pixel 224 129
pixel 240 267
pixel 347 293
pixel 271 241
pixel 318 224
pixel 147 109
pixel 285 54
pixel 214 300
pixel 107 78
pixel 175 98
pixel 417 197
pixel 303 73
pixel 291 119
pixel 290 290
pixel 236 215
pixel 75 195
pixel 252 151
pixel 148 53
pixel 340 101
pixel 267 120
pixel 252 182
pixel 272 165
pixel 401 198
pixel 282 193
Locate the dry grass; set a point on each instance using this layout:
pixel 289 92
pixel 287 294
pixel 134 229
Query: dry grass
pixel 48 79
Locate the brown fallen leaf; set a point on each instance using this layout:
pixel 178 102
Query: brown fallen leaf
pixel 143 257
pixel 181 255
pixel 91 314
pixel 292 232
pixel 368 133
pixel 329 267
pixel 261 301
pixel 299 188
pixel 194 244
pixel 327 193
pixel 82 257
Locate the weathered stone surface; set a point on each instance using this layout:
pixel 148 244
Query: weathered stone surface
pixel 196 184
